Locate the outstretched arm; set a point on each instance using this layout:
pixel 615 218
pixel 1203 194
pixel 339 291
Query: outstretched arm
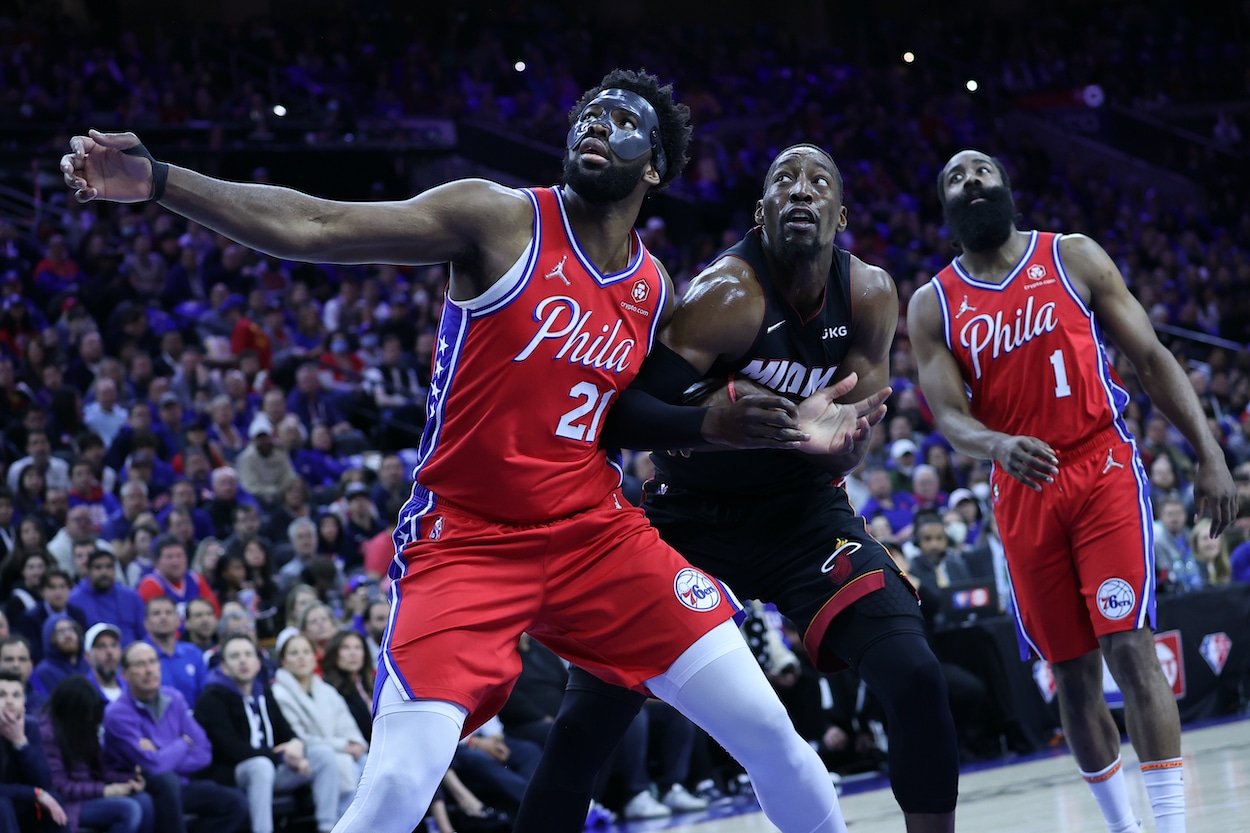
pixel 1124 320
pixel 440 225
pixel 1027 459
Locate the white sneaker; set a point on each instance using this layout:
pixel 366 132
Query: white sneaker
pixel 644 806
pixel 682 801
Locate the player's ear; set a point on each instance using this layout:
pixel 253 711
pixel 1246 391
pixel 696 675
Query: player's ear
pixel 759 212
pixel 842 220
pixel 651 176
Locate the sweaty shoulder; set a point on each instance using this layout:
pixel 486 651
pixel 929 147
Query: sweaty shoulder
pixel 1088 265
pixel 924 313
pixel 720 314
pixel 494 222
pixel 871 283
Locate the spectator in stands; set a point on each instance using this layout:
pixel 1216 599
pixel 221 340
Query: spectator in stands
pixel 319 625
pixel 91 448
pixel 182 664
pixel 24 777
pixel 104 416
pixel 150 727
pixel 134 503
pixel 348 667
pixel 28 567
pixel 78 528
pixel 927 495
pixel 226 496
pixel 104 653
pixel 8 531
pixel 29 496
pixel 318 462
pixel 54 589
pixel 201 628
pixel 93 795
pixel 254 746
pixel 182 495
pixel 102 599
pixel 1177 569
pixel 897 507
pixel 1210 554
pixel 361 524
pixel 171 576
pixel 264 466
pixel 498 768
pixel 55 471
pixel 293 504
pixel 312 405
pixel 376 619
pixel 62 653
pixel 318 714
pixel 222 432
pixel 937 564
pixel 938 457
pixel 15 657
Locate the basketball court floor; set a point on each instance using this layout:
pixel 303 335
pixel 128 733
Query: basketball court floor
pixel 1039 793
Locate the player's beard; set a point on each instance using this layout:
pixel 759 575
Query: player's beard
pixel 612 184
pixel 985 226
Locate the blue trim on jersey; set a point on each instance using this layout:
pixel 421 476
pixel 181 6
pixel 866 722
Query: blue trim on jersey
pixel 946 312
pixel 397 570
pixel 999 287
pixel 1146 593
pixel 1117 397
pixel 527 271
pixel 1028 647
pixel 659 309
pixel 454 322
pixel 587 263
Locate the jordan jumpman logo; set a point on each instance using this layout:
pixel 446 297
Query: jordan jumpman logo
pixel 558 272
pixel 1111 462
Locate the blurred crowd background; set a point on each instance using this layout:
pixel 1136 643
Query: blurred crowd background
pixel 157 379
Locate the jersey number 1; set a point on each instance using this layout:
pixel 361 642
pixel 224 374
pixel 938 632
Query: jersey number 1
pixel 569 426
pixel 1061 375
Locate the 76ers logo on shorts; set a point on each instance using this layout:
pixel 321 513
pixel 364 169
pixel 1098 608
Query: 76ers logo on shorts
pixel 695 590
pixel 1116 598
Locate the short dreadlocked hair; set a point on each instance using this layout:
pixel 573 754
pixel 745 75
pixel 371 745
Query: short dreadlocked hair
pixel 941 177
pixel 674 118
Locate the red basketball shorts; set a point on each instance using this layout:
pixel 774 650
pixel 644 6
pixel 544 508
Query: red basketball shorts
pixel 1080 553
pixel 600 589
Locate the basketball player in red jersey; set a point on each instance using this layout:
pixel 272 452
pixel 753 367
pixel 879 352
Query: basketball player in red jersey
pixel 516 522
pixel 1011 362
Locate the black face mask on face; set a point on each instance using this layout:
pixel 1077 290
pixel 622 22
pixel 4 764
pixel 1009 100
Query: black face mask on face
pixel 986 225
pixel 610 185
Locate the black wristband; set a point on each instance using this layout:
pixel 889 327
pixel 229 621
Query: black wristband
pixel 160 170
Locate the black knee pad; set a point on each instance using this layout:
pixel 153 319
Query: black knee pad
pixel 906 677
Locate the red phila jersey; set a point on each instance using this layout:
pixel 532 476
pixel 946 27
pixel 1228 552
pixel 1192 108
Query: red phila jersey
pixel 524 375
pixel 1030 350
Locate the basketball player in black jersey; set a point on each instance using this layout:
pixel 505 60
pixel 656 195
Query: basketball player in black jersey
pixel 783 311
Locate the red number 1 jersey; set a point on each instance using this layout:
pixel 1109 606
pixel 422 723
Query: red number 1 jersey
pixel 1030 350
pixel 524 375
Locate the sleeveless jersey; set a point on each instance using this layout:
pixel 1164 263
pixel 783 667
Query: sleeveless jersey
pixel 1030 350
pixel 790 355
pixel 523 376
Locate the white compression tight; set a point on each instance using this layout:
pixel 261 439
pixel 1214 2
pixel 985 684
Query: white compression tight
pixel 412 747
pixel 718 684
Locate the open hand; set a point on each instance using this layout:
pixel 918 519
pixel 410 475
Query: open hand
pixel 96 169
pixel 834 427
